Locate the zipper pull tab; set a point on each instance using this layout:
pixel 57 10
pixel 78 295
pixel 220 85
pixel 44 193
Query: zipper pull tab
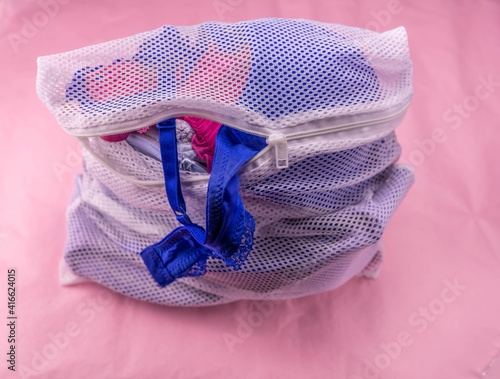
pixel 280 149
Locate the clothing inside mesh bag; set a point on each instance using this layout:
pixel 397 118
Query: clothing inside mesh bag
pixel 325 99
pixel 264 75
pixel 328 232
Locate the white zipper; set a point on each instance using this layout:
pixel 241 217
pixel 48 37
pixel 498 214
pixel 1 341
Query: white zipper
pixel 279 141
pixel 291 136
pixel 348 126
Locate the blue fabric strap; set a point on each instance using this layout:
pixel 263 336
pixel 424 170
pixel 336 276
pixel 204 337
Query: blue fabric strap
pixel 168 148
pixel 229 227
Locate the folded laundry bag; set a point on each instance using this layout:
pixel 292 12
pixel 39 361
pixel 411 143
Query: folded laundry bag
pixel 253 160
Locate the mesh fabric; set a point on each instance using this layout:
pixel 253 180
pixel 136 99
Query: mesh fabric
pixel 318 222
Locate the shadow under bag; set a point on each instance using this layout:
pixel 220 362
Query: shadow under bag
pixel 297 180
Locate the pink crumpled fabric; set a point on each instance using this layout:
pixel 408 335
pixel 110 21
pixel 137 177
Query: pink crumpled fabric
pixel 203 141
pixel 432 313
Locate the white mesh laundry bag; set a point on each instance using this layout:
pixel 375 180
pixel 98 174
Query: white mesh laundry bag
pixel 303 180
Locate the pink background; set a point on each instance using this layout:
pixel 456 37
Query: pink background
pixel 447 229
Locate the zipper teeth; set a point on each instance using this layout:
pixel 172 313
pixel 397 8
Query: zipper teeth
pixel 156 120
pixel 348 126
pixel 290 137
